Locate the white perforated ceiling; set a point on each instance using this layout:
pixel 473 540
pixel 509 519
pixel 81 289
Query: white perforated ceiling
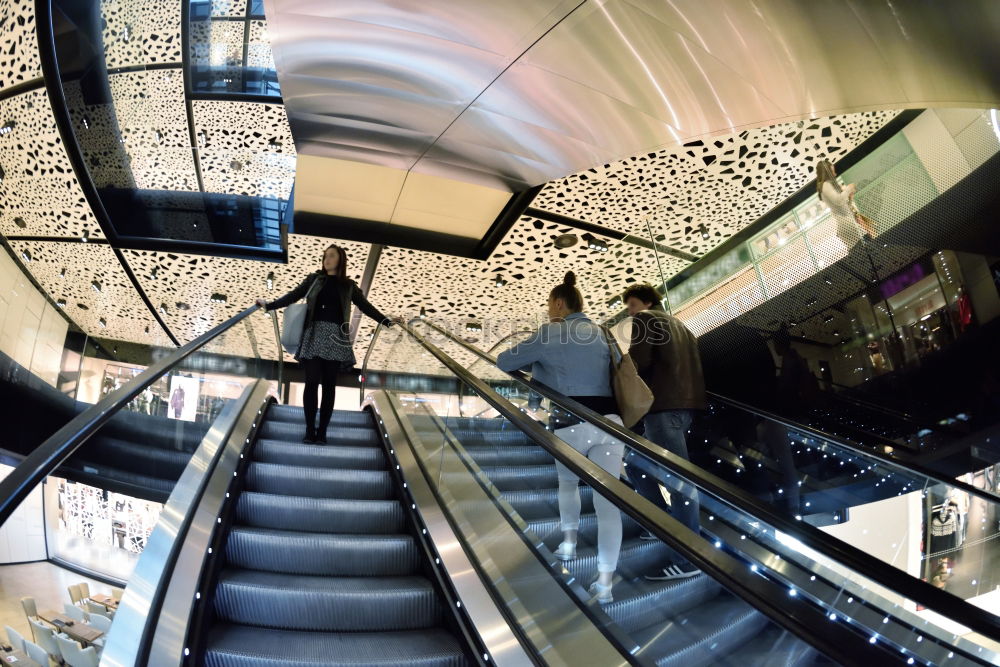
pixel 723 182
pixel 39 194
pixel 19 62
pixel 91 281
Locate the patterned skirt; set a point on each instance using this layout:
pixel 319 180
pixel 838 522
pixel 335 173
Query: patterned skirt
pixel 326 340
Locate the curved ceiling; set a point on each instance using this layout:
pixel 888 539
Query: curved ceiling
pixel 515 94
pixel 41 197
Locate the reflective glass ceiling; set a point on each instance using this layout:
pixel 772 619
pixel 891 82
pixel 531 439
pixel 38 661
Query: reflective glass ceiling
pixel 189 144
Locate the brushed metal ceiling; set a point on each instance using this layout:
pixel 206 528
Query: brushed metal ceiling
pixel 513 93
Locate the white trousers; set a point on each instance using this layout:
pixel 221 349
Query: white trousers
pixel 606 451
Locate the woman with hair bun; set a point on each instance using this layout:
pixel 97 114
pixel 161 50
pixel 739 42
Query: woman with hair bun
pixel 570 354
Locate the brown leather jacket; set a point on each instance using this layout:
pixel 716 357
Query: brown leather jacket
pixel 666 355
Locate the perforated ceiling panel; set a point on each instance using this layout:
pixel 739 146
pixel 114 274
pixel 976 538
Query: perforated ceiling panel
pixel 245 148
pixel 94 286
pixel 185 284
pixel 39 195
pixel 455 291
pixel 152 120
pixel 19 61
pixel 723 182
pixel 137 33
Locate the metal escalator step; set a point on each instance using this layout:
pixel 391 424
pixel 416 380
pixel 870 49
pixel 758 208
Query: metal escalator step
pixel 319 482
pixel 476 437
pixel 480 424
pixel 522 478
pixel 544 503
pixel 319 515
pixel 292 552
pixel 293 414
pixel 509 455
pixel 776 647
pixel 339 456
pixel 549 530
pixel 243 646
pixel 329 604
pixel 143 458
pixel 637 557
pixel 336 435
pixel 711 634
pixel 640 604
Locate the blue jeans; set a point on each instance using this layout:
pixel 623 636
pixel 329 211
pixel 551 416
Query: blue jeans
pixel 668 429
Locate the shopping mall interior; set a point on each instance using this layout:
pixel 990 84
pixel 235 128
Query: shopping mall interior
pixel 170 170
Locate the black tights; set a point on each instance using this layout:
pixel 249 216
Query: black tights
pixel 319 372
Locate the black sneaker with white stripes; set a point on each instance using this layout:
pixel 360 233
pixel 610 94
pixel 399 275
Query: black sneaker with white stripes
pixel 674 571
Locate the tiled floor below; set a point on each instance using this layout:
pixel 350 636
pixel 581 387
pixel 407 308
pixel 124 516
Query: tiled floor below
pixel 43 581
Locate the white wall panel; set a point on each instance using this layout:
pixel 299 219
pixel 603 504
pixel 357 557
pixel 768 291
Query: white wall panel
pixel 22 537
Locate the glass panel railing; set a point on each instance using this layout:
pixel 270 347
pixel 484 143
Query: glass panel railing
pixel 645 614
pixel 878 506
pixel 94 490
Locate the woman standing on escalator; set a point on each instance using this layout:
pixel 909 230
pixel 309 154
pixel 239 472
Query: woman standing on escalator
pixel 325 348
pixel 571 355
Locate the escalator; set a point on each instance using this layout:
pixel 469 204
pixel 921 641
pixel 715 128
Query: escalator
pixel 424 534
pixel 689 622
pixel 321 566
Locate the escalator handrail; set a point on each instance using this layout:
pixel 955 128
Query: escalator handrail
pixel 52 453
pixel 809 431
pixel 836 641
pixel 860 561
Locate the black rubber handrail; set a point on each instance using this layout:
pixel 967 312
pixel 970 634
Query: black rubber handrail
pixel 810 431
pixel 793 613
pixel 52 453
pixel 872 568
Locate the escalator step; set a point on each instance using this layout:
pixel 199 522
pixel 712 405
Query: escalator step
pixel 640 603
pixel 544 503
pixel 293 414
pixel 780 648
pixel 494 438
pixel 319 515
pixel 340 456
pixel 337 435
pixel 242 646
pixel 522 478
pixel 329 604
pixel 549 530
pixel 314 553
pixel 510 455
pixel 713 633
pixel 319 482
pixel 637 557
pixel 480 424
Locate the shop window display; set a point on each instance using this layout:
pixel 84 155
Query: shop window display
pixel 96 528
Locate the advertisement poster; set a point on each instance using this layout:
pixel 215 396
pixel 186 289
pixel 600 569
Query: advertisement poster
pixel 183 401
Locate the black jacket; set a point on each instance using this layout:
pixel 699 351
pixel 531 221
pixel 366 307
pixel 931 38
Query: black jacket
pixel 348 291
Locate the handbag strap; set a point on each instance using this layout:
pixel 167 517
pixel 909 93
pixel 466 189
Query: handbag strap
pixel 613 347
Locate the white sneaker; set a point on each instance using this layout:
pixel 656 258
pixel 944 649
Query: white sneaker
pixel 566 551
pixel 601 593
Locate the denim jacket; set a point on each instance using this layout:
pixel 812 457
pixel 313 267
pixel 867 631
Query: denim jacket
pixel 571 357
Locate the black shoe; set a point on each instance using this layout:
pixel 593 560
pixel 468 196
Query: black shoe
pixel 310 437
pixel 320 439
pixel 672 571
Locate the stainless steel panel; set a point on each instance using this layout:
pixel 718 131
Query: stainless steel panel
pixel 121 648
pixel 397 82
pixel 552 621
pixel 493 629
